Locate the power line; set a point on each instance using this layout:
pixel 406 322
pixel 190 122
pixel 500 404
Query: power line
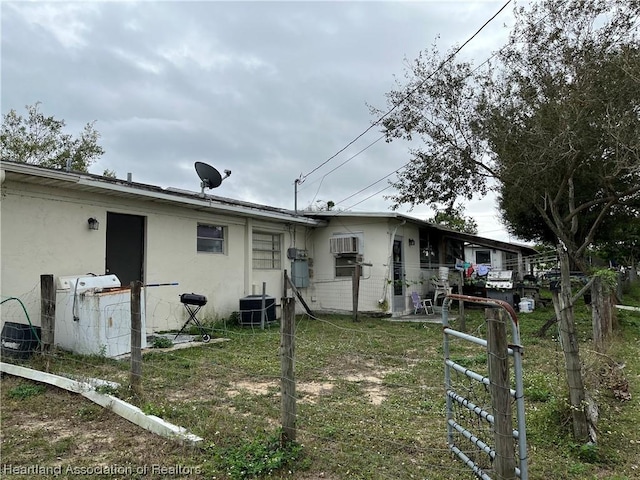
pixel 494 54
pixel 411 92
pixel 367 198
pixel 342 164
pixel 371 185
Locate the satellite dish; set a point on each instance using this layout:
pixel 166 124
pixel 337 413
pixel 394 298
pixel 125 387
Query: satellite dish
pixel 210 177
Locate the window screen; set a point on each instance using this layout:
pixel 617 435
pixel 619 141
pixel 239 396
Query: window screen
pixel 267 252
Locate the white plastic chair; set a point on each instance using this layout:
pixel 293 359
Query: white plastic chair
pixel 420 304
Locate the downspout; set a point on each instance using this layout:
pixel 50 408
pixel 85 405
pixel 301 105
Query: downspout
pixel 390 263
pixel 248 251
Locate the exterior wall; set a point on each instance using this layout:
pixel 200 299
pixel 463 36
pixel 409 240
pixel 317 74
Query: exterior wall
pixel 273 279
pixel 171 256
pixel 45 231
pixel 330 293
pixel 497 256
pixel 501 260
pixel 41 236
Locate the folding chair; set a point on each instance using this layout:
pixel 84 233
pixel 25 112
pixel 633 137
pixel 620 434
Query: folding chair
pixel 419 304
pixel 193 303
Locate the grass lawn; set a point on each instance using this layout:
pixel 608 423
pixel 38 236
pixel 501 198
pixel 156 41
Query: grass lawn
pixel 370 406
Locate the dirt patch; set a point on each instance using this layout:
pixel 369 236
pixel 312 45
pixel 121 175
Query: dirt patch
pixel 59 428
pixel 309 392
pixel 254 388
pixel 366 373
pixel 371 384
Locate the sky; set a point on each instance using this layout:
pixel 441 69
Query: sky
pixel 268 90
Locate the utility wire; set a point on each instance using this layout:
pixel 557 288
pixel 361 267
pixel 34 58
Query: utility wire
pixel 367 198
pixel 371 185
pixel 406 97
pixel 397 170
pixel 342 164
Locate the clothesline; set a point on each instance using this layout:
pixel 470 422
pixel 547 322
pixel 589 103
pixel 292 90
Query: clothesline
pixel 480 269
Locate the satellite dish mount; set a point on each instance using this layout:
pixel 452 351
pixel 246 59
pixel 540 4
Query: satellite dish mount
pixel 209 176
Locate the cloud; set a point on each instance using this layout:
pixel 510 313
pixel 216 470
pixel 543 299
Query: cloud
pixel 68 23
pixel 270 90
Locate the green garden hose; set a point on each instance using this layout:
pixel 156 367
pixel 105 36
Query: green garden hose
pixel 35 333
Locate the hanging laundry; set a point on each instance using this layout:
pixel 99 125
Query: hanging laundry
pixel 483 270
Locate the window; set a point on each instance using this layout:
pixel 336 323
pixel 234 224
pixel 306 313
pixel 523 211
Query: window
pixel 454 250
pixel 510 261
pixel 483 256
pixel 210 238
pixel 346 264
pixel 267 253
pixel 428 254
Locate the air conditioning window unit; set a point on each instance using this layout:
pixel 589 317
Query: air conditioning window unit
pixel 343 245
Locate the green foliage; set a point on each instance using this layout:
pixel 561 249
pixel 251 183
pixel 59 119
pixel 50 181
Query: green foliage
pixel 263 456
pixel 40 140
pixel 588 452
pixel 609 277
pixel 469 362
pixel 234 319
pixel 107 389
pixel 150 408
pixel 453 218
pixel 537 387
pixel 26 390
pixel 552 123
pixel 162 342
pixel 90 411
pixel 383 306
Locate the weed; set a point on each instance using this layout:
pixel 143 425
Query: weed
pixel 26 390
pixel 162 342
pixel 588 452
pixel 89 411
pixel 469 362
pixel 233 320
pixel 578 469
pixel 152 409
pixel 263 456
pixel 63 445
pixel 107 389
pixel 537 387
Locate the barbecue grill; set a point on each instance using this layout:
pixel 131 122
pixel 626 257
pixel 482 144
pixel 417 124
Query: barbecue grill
pixel 193 302
pixel 500 280
pixel 500 286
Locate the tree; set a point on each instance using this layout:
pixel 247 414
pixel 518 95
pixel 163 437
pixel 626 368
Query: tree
pixel 40 140
pixel 553 125
pixel 620 242
pixel 455 219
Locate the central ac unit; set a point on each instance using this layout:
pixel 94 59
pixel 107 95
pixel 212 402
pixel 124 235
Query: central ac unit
pixel 343 245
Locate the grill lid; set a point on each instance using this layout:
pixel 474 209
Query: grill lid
pixel 502 279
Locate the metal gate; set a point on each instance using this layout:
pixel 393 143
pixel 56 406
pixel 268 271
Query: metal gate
pixel 480 417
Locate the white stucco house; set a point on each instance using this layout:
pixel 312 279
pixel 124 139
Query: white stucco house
pixel 174 242
pixel 399 255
